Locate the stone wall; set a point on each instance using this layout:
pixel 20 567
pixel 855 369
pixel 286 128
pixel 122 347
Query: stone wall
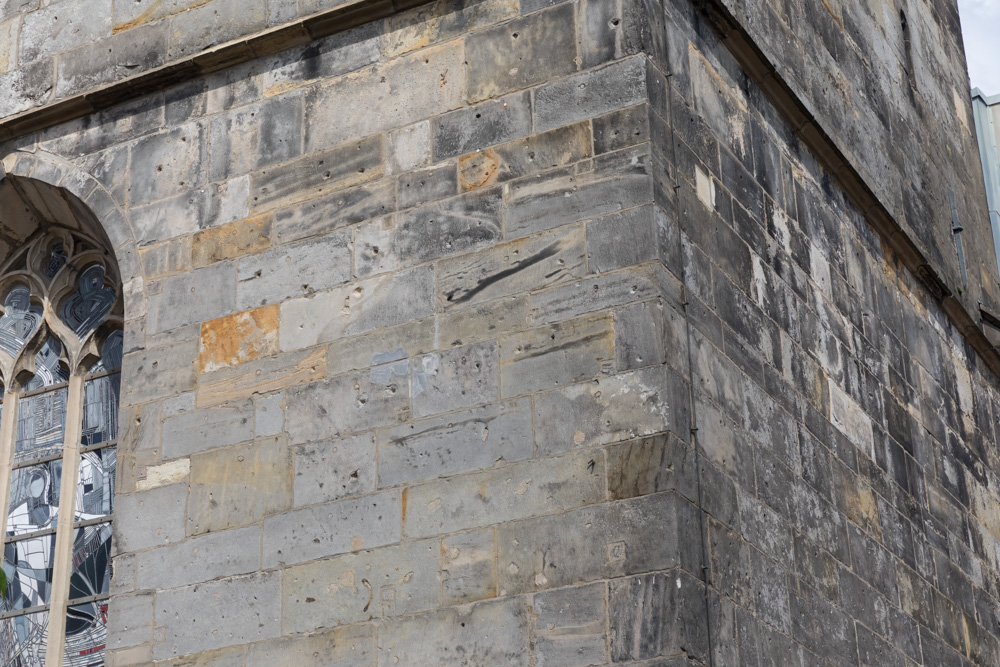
pixel 527 332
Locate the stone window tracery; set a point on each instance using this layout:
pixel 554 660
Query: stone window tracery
pixel 61 348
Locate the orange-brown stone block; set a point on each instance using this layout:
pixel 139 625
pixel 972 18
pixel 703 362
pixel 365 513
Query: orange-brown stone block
pixel 231 240
pixel 238 338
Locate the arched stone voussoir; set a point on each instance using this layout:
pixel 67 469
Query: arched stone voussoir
pixel 106 213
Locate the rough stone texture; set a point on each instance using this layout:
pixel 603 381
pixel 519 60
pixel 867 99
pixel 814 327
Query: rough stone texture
pixel 493 332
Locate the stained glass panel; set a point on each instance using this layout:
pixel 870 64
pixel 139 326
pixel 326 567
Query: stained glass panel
pixel 23 639
pixel 48 370
pixel 19 321
pixel 100 409
pixel 111 354
pixel 30 563
pixel 86 634
pixel 91 561
pixel 92 301
pixel 95 491
pixel 41 424
pixel 34 498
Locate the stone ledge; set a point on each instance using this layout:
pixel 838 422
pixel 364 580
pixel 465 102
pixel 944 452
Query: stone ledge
pixel 267 42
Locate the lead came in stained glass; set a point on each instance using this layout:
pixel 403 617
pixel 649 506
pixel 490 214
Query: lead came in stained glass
pixel 86 634
pixel 34 498
pixel 48 370
pixel 83 311
pixel 29 563
pixel 96 489
pixel 41 425
pixel 100 410
pixel 19 321
pixel 23 640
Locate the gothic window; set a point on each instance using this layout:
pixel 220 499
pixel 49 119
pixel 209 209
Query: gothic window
pixel 60 360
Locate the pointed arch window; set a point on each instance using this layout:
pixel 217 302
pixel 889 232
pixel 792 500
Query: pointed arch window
pixel 61 347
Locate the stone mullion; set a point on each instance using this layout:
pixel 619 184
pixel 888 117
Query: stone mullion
pixel 8 437
pixel 62 567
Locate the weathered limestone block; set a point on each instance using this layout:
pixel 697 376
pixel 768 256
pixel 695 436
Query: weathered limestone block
pixel 150 518
pixel 212 556
pixel 353 646
pixel 333 469
pixel 379 99
pixel 357 308
pixel 165 371
pixel 349 403
pixel 261 377
pixel 132 623
pixel 235 339
pixel 382 346
pixel 57 28
pixel 592 93
pixel 317 174
pixel 556 355
pixel 213 23
pixel 609 409
pixel 229 612
pixel 327 213
pixel 570 626
pixel 196 431
pixel 592 543
pixel 231 240
pixel 168 163
pixel 512 268
pixel 109 60
pixel 482 125
pixel 504 494
pixel 437 230
pixel 441 21
pixel 455 378
pixel 293 270
pixel 460 442
pixel 197 296
pixel 667 621
pixel 488 633
pixel 421 186
pixel 339 527
pixel 521 53
pixel 239 485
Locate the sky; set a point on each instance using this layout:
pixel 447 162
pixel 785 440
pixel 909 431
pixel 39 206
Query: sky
pixel 980 29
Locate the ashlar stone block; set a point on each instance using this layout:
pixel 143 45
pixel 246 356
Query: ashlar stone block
pixel 456 378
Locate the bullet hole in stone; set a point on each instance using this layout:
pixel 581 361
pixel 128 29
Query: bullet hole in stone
pixel 354 475
pixel 257 273
pixel 326 175
pixel 479 115
pixel 515 37
pixel 375 250
pixel 155 363
pixel 615 22
pixel 159 167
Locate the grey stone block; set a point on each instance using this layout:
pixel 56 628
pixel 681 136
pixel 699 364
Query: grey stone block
pixel 593 543
pixel 327 213
pixel 348 403
pixel 168 163
pixel 335 528
pixel 570 625
pixel 449 227
pixel 651 465
pixel 605 410
pixel 178 215
pixel 556 355
pixel 329 470
pixel 212 556
pixel 371 304
pixel 397 93
pixel 455 443
pixel 229 612
pixel 255 136
pixel 61 27
pixel 148 519
pixel 640 331
pixel 657 615
pixel 199 430
pixel 488 633
pixel 425 185
pixel 109 60
pixel 504 494
pixel 591 93
pixel 293 270
pixel 482 125
pixel 511 268
pixel 214 23
pixel 328 57
pixel 521 53
pixel 197 296
pixel 345 647
pixel 540 204
pixel 164 371
pixel 317 174
pixel 130 621
pixel 453 379
pixel 623 239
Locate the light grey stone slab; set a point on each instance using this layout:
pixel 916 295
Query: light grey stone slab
pixel 226 613
pixel 455 378
pixel 334 528
pixel 353 646
pixel 293 270
pixel 505 494
pixel 130 620
pixel 455 443
pixel 333 469
pixel 150 518
pixel 199 430
pixel 63 26
pixel 197 296
pixel 199 559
